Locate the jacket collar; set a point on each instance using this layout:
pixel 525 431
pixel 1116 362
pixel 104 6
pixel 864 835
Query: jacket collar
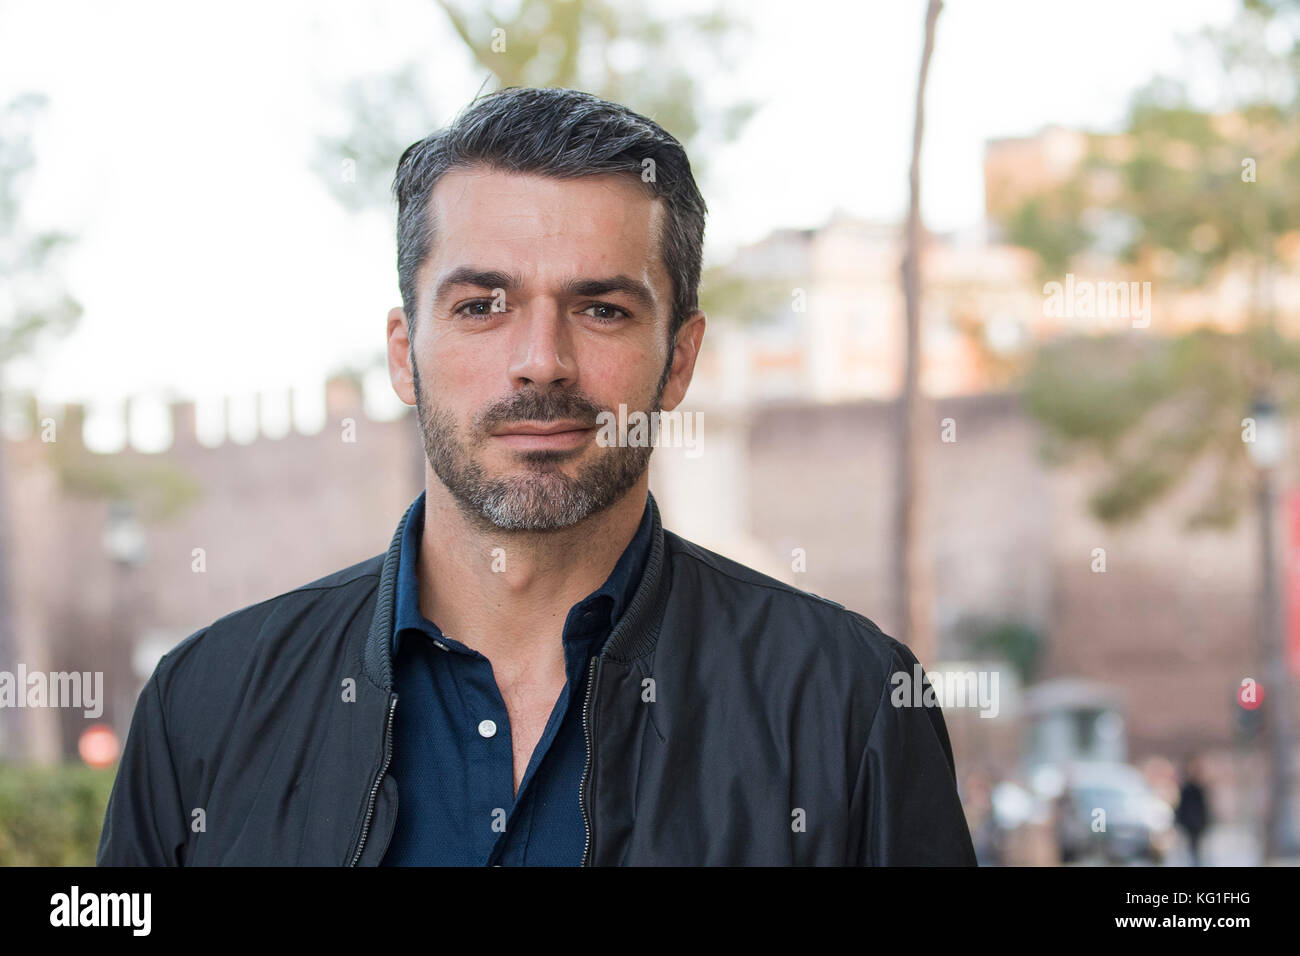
pixel 634 636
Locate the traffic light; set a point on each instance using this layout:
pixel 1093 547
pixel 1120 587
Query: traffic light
pixel 1249 720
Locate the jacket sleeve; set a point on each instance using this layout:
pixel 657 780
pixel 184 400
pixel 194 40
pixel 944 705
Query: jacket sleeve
pixel 907 784
pixel 145 824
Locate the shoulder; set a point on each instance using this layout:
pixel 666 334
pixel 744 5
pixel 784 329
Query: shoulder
pixel 320 612
pixel 771 610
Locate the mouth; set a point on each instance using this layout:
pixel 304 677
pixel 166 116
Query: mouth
pixel 543 436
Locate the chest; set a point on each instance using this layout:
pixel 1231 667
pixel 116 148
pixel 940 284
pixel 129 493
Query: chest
pixel 529 712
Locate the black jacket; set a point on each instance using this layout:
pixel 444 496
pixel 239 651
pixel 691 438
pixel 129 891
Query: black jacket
pixel 731 719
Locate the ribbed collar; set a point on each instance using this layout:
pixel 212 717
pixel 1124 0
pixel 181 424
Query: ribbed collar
pixel 633 636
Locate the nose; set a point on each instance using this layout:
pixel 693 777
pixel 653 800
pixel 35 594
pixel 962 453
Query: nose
pixel 541 348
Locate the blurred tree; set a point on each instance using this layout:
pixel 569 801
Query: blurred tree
pixel 33 308
pixel 36 305
pixel 1016 642
pixel 1183 198
pixel 620 52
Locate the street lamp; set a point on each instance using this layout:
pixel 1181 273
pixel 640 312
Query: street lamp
pixel 124 539
pixel 1267 451
pixel 127 548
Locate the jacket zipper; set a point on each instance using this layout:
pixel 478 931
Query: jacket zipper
pixel 374 791
pixel 582 788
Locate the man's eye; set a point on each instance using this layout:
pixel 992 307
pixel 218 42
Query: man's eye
pixel 607 309
pixel 485 303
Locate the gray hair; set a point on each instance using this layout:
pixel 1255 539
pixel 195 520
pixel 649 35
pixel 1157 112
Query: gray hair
pixel 564 134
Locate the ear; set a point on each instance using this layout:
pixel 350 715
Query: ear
pixel 685 352
pixel 399 355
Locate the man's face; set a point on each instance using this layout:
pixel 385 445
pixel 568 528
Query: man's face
pixel 543 303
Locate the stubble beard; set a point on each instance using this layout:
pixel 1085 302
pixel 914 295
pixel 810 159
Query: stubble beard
pixel 543 497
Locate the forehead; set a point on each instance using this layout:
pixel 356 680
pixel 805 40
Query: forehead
pixel 544 227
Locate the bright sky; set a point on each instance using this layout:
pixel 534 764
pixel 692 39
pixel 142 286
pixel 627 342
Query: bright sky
pixel 212 260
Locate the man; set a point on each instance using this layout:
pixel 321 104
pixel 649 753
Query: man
pixel 536 672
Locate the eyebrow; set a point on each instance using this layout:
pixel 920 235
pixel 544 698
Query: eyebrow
pixel 493 279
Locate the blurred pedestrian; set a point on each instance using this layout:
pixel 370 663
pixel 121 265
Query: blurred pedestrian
pixel 1065 826
pixel 1193 813
pixel 986 834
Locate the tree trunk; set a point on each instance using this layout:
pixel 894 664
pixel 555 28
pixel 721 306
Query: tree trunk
pixel 10 718
pixel 30 734
pixel 912 584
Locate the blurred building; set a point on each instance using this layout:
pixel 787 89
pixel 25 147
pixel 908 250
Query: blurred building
pixel 800 490
pixel 117 557
pixel 829 330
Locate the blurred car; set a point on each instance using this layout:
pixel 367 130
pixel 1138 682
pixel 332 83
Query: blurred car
pixel 1108 811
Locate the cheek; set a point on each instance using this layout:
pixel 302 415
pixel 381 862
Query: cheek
pixel 458 381
pixel 626 373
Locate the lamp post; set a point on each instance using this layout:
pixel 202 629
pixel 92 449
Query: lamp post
pixel 126 547
pixel 1267 452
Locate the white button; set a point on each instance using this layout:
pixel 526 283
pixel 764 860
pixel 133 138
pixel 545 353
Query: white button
pixel 440 644
pixel 487 728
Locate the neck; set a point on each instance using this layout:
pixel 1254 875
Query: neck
pixel 511 603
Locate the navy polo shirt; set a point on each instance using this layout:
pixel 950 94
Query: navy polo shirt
pixel 452 756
